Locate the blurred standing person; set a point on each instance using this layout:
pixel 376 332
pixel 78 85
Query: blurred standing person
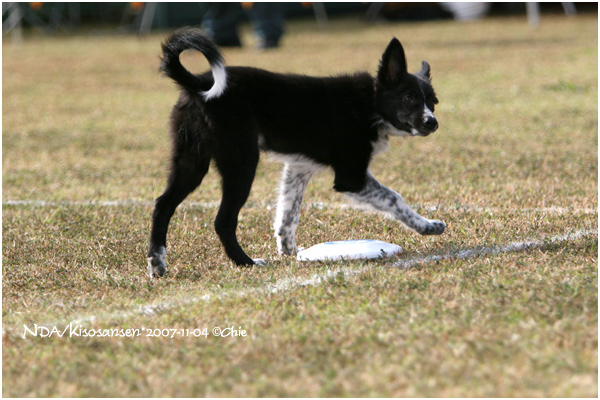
pixel 222 19
pixel 268 23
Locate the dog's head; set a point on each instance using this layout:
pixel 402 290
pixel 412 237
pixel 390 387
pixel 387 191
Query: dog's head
pixel 404 102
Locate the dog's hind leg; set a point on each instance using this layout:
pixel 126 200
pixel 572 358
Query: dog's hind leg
pixel 388 201
pixel 237 172
pixel 293 185
pixel 188 168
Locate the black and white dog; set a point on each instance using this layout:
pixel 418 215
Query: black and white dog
pixel 309 123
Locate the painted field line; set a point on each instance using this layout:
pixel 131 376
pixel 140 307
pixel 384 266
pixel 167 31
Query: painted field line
pixel 494 250
pixel 271 206
pixel 293 283
pixel 317 279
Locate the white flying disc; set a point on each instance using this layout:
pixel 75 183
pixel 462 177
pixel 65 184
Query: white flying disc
pixel 349 250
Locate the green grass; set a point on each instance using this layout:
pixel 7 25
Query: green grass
pixel 515 159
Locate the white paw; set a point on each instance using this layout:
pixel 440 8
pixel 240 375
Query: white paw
pixel 157 263
pixel 260 262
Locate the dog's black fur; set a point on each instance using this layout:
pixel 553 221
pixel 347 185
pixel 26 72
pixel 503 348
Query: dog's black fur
pixel 337 122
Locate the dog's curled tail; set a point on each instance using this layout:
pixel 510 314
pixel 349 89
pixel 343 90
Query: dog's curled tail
pixel 189 38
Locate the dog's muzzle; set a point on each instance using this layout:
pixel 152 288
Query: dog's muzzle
pixel 430 124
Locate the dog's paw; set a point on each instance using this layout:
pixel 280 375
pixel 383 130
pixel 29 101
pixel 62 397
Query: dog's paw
pixel 433 227
pixel 157 263
pixel 286 246
pixel 259 262
pixel 289 251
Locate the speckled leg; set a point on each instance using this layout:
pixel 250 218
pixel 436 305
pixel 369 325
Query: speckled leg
pixel 388 201
pixel 293 184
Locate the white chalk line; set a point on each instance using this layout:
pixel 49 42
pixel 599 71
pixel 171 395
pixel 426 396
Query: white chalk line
pixel 271 206
pixel 293 283
pixel 495 250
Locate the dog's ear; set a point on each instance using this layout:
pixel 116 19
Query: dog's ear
pixel 425 70
pixel 393 63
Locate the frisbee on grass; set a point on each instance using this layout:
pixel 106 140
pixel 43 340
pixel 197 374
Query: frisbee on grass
pixel 348 250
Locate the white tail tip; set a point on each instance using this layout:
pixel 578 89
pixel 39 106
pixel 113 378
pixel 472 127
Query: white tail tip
pixel 220 76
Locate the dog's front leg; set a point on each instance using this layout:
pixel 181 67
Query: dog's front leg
pixel 388 201
pixel 293 184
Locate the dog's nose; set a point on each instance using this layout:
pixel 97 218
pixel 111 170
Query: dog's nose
pixel 430 123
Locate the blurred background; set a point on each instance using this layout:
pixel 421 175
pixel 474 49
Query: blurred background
pixel 141 18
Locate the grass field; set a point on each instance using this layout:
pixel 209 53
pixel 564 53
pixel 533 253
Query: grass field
pixel 505 303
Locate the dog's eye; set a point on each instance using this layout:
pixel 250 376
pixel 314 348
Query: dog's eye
pixel 408 99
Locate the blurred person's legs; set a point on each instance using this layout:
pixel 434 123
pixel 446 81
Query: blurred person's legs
pixel 220 23
pixel 268 23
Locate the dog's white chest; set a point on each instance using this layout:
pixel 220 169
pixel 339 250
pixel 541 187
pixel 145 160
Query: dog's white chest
pixel 381 144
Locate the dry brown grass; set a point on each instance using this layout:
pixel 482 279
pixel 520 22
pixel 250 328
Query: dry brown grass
pixel 515 159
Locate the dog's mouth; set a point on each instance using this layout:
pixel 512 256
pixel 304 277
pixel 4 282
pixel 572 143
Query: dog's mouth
pixel 416 131
pixel 420 132
pixel 401 128
pixel 425 130
pixel 405 127
pixel 423 125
